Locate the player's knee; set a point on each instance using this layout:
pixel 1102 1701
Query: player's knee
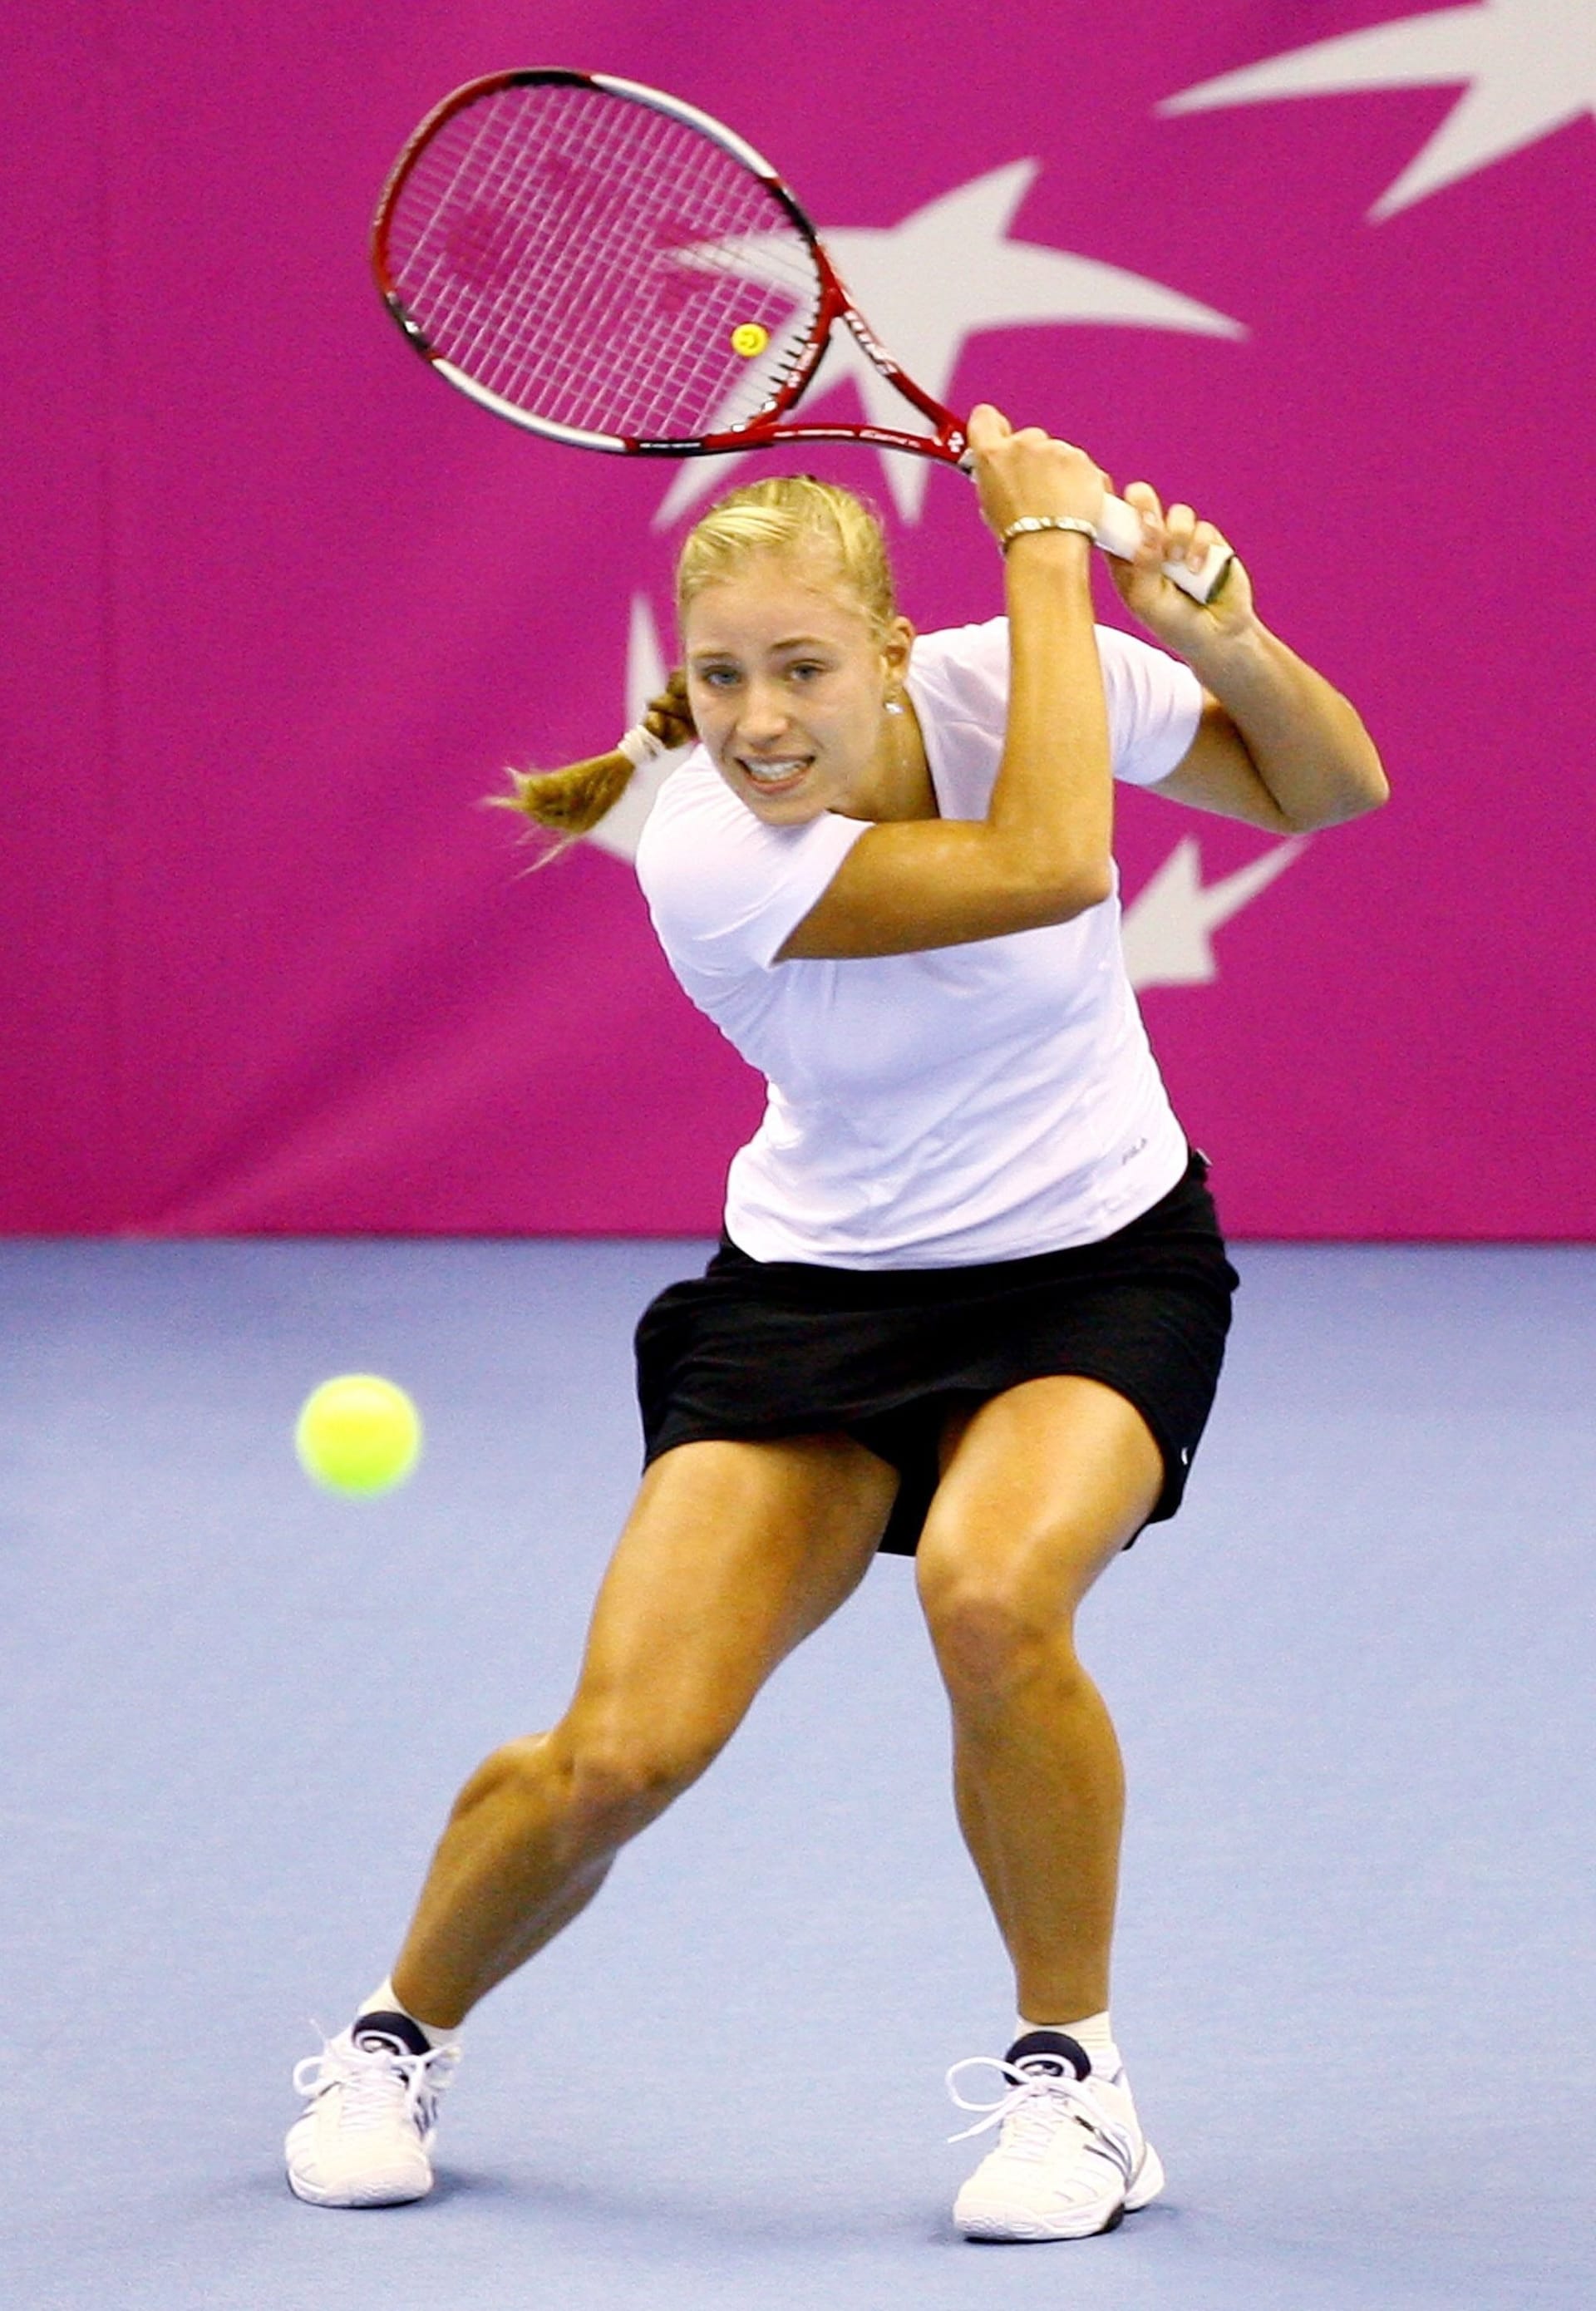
pixel 620 1773
pixel 991 1629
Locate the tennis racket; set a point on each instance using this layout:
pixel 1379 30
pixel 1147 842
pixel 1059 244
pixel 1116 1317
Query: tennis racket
pixel 608 266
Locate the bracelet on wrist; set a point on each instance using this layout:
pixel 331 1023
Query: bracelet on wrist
pixel 1031 521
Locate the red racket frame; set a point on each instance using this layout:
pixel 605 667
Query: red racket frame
pixel 947 444
pixel 1119 527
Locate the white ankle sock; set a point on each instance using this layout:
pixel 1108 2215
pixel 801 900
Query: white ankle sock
pixel 384 2000
pixel 1094 2036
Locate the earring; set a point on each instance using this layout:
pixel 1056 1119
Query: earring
pixel 892 706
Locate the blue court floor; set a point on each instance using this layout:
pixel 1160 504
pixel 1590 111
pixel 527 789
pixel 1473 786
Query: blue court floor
pixel 1353 1683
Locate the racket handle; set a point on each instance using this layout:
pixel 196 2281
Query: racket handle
pixel 1119 532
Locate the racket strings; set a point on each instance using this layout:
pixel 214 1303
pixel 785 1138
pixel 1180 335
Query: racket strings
pixel 588 259
pixel 491 337
pixel 588 252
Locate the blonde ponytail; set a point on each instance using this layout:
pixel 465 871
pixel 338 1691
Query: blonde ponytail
pixel 571 802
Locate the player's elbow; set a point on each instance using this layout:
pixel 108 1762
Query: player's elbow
pixel 1360 789
pixel 1049 896
pixel 1089 886
pixel 1375 789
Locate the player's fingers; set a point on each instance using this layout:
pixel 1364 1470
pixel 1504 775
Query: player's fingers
pixel 1204 539
pixel 987 425
pixel 1178 526
pixel 1143 497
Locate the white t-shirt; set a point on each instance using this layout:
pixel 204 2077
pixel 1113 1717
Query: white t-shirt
pixel 960 1104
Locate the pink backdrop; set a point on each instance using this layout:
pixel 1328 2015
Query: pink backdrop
pixel 279 605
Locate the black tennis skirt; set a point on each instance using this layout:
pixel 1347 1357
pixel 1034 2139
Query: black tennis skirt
pixel 764 1349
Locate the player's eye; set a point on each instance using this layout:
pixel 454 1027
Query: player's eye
pixel 715 677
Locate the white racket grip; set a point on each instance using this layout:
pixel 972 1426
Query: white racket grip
pixel 1119 531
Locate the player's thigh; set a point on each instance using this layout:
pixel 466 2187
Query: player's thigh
pixel 1042 1486
pixel 733 1553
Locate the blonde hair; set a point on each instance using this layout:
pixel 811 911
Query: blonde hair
pixel 794 515
pixel 791 514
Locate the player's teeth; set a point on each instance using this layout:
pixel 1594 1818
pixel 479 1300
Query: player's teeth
pixel 773 772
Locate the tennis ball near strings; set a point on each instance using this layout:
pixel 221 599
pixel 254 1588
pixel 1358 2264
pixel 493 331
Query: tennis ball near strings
pixel 358 1434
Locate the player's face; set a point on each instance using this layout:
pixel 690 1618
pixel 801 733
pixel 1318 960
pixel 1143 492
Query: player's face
pixel 788 680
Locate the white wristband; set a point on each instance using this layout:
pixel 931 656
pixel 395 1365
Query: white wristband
pixel 1044 521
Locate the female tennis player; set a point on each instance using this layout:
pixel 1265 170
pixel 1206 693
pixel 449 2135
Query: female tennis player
pixel 971 1297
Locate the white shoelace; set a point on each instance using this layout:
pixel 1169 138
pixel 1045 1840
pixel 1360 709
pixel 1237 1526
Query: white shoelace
pixel 1029 2111
pixel 370 2077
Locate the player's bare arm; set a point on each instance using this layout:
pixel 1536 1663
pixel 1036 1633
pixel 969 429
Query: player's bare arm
pixel 1042 854
pixel 1278 746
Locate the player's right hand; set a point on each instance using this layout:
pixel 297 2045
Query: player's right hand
pixel 1029 473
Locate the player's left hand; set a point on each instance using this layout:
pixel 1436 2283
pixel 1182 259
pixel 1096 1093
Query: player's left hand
pixel 1172 617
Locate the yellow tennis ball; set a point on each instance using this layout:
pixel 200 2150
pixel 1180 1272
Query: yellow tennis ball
pixel 748 338
pixel 358 1434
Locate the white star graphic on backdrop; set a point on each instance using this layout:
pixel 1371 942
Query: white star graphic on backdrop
pixel 1169 924
pixel 1530 66
pixel 944 274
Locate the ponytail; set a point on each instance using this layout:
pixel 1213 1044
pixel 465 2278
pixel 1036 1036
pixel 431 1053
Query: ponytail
pixel 571 802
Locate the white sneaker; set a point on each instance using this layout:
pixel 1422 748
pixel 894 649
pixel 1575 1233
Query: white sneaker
pixel 364 2138
pixel 1071 2159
